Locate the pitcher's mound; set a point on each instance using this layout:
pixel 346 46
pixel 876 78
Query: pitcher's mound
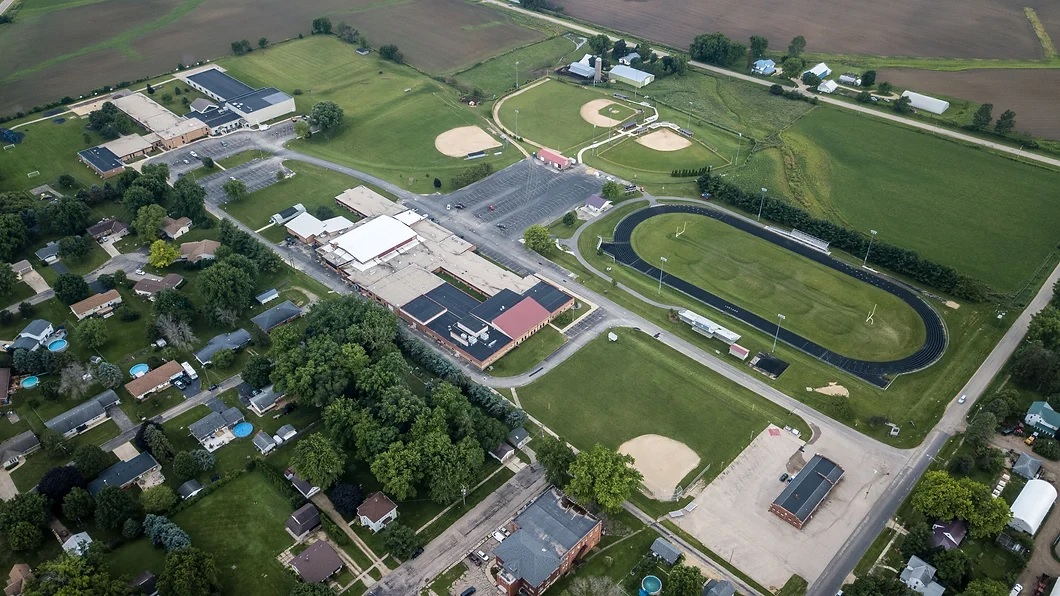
pixel 591 113
pixel 662 460
pixel 664 139
pixel 459 142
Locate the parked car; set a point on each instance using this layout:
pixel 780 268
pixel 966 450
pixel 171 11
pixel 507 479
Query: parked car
pixel 417 552
pixel 962 398
pixel 498 536
pixel 1016 589
pixel 482 556
pixel 468 592
pixel 1030 440
pixel 784 477
pixel 194 154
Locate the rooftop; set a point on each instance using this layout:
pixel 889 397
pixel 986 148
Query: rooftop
pixel 93 302
pixel 192 251
pixel 149 113
pixel 101 158
pixel 154 286
pixel 376 507
pixel 522 318
pixel 548 296
pixel 226 341
pixel 83 412
pixel 277 315
pixel 106 226
pixel 367 203
pixel 35 328
pixel 317 563
pixel 263 441
pixel 18 445
pixel 582 70
pixel 266 398
pixel 375 238
pixel 123 472
pixel 628 72
pixel 665 550
pixel 154 378
pixel 189 488
pixel 258 100
pixel 810 487
pixel 1027 466
pixel 212 422
pixel 127 145
pixel 214 118
pixel 172 226
pixel 221 84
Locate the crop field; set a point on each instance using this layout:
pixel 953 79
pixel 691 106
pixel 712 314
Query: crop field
pixel 49 51
pixel 497 75
pixel 989 217
pixel 821 304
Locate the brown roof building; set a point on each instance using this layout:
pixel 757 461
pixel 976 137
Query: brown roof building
pixel 193 252
pixel 98 304
pixel 19 575
pixel 377 511
pixel 155 380
pixel 110 229
pixel 149 287
pixel 175 228
pixel 317 563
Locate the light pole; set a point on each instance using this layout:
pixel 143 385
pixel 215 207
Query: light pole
pixel 689 125
pixel 866 261
pixel 661 268
pixel 780 318
pixel 761 201
pixel 516 74
pixel 516 125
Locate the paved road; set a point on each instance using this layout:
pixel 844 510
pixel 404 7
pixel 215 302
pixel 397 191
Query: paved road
pixel 128 262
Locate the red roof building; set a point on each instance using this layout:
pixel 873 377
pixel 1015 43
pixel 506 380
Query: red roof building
pixel 554 158
pixel 523 319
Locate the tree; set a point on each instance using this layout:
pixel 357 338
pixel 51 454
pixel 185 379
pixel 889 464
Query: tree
pixel 109 375
pixel 884 88
pixel 52 442
pixel 758 45
pixel 1006 122
pixel 985 587
pixel 556 456
pixel 327 115
pixel 684 580
pixel 588 585
pixel 604 477
pixel 944 497
pixel 962 464
pixel 225 288
pixel 70 288
pixel 537 238
pixel 204 459
pixel 91 332
pixel 74 381
pixel 73 574
pixel 120 278
pixel 26 310
pixel 13 235
pixel 67 216
pixel 619 49
pixel 184 466
pixel 918 541
pixel 158 499
pixel 74 247
pixel 158 444
pixel 114 506
pixel 262 42
pixel 792 67
pixel 318 460
pixel 177 332
pixel 392 53
pixel 398 470
pixel 79 504
pixel 599 44
pixel 189 572
pixel 90 460
pixel 189 198
pixel 347 33
pixel 952 566
pixel 25 508
pixel 864 97
pixel 902 106
pixel 797 46
pixel 322 25
pixel 132 529
pixel 148 221
pixel 868 78
pixel 611 190
pixel 223 358
pixel 811 79
pixel 1047 448
pixel 346 498
pixel 981 429
pixel 876 585
pixel 983 117
pixel 24 536
pixel 235 189
pixel 58 482
pixel 303 589
pixel 257 370
pixel 301 129
pixel 716 48
pixel 1045 328
pixel 569 219
pixel 400 540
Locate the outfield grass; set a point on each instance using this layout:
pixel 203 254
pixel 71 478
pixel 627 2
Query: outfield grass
pixel 610 392
pixel 497 75
pixel 529 354
pixel 650 165
pixel 50 149
pixel 549 115
pixel 821 304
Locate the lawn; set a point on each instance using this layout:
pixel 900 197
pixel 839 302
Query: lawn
pixel 50 149
pixel 529 354
pixel 497 75
pixel 617 561
pixel 29 473
pixel 458 510
pixel 820 303
pixel 19 292
pixel 649 389
pixel 548 114
pixel 238 159
pixel 652 165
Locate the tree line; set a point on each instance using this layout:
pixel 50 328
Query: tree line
pixel 689 172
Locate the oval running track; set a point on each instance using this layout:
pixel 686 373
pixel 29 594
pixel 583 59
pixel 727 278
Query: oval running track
pixel 878 373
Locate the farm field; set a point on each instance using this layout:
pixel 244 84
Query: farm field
pixel 821 304
pixel 497 75
pixel 652 389
pixel 55 54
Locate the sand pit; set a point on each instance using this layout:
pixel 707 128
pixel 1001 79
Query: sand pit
pixel 591 113
pixel 458 142
pixel 833 388
pixel 664 139
pixel 662 460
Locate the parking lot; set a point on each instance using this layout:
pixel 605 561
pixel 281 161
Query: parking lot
pixel 478 570
pixel 256 175
pixel 181 161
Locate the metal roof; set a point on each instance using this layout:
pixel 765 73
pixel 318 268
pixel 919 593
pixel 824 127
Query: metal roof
pixel 802 496
pixel 496 305
pixel 258 100
pixel 582 70
pixel 277 315
pixel 221 84
pixel 628 72
pixel 1027 466
pixel 665 550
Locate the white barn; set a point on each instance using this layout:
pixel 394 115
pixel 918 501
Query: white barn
pixel 820 69
pixel 926 103
pixel 1032 505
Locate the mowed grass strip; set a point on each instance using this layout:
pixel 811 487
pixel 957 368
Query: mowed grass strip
pixel 819 303
pixel 530 353
pixel 610 392
pixel 629 155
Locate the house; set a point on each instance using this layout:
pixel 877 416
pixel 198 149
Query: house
pixel 502 452
pixel 802 496
pixel 175 228
pixel 285 433
pixel 189 489
pixel 148 288
pixel 234 340
pixel 549 536
pixel 267 296
pixel 306 489
pixel 280 314
pixel 84 416
pixel 78 543
pixel 820 69
pixel 17 579
pixel 518 437
pixel 376 512
pixel 926 103
pixel 33 335
pixel 665 550
pixel 318 563
pixel 1031 506
pixel 212 430
pixel 849 78
pixel 108 230
pixel 920 577
pixel 21 268
pixel 827 87
pixel 1043 418
pixel 100 304
pixel 303 521
pixel 629 58
pixel 146 583
pixel 596 204
pixel 948 535
pixel 554 158
pixel 154 380
pixel 49 253
pixel 265 400
pixel 264 442
pixel 18 447
pixel 287 214
pixel 143 470
pixel 1027 466
pixel 764 66
pixel 630 76
pixel 718 587
pixel 102 161
pixel 193 252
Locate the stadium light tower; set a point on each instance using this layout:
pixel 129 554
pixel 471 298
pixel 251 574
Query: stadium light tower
pixel 689 125
pixel 516 125
pixel 516 74
pixel 780 318
pixel 761 201
pixel 661 269
pixel 866 261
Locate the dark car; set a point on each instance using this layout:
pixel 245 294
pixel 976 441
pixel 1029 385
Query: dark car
pixel 468 592
pixel 417 552
pixel 784 477
pixel 214 386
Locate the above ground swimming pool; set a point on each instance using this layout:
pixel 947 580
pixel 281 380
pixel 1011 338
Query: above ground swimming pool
pixel 58 345
pixel 243 429
pixel 139 369
pixel 30 382
pixel 650 585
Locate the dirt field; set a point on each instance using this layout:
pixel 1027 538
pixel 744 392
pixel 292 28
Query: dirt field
pixel 591 113
pixel 458 142
pixel 1029 93
pixel 662 460
pixel 987 29
pixel 733 513
pixel 833 388
pixel 664 139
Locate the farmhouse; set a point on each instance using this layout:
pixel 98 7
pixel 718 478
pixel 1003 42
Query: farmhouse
pixel 827 87
pixel 175 228
pixel 193 252
pixel 1031 506
pixel 100 304
pixel 107 230
pixel 280 314
pixel 33 335
pixel 85 415
pixel 376 512
pixel 554 158
pixel 547 538
pixel 318 563
pixel 803 495
pixel 1043 418
pixel 155 380
pixel 287 214
pixel 148 288
pixel 213 431
pixel 926 103
pixel 820 69
pixel 143 470
pixel 254 106
pixel 920 577
pixel 234 340
pixel 630 76
pixel 764 66
pixel 102 161
pixel 629 58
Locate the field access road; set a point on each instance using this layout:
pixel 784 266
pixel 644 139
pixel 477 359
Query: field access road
pixel 938 130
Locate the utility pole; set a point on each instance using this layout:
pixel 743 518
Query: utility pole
pixel 871 238
pixel 661 270
pixel 516 74
pixel 780 318
pixel 761 201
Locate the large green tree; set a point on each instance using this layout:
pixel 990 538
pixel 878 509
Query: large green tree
pixel 538 239
pixel 91 333
pixel 556 456
pixel 684 580
pixel 327 115
pixel 797 46
pixel 189 200
pixel 257 370
pixel 600 44
pixel 400 540
pixel 148 221
pixel 65 217
pixel 189 572
pixel 603 476
pixel 985 587
pixel 952 566
pixel 716 48
pixel 944 497
pixel 983 116
pixel 90 460
pixel 398 470
pixel 13 234
pixel 79 504
pixel 114 506
pixel 225 290
pixel 318 460
pixel 1006 122
pixel 70 575
pixel 235 190
pixel 876 585
pixel 70 288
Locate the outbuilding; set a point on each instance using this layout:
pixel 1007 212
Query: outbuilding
pixel 631 76
pixel 820 69
pixel 765 66
pixel 926 103
pixel 1031 506
pixel 827 87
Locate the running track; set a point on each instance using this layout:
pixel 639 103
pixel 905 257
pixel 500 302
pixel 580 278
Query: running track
pixel 877 373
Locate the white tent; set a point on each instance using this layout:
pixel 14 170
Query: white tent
pixel 1032 505
pixel 928 104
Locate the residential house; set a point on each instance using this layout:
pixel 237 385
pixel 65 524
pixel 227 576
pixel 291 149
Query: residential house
pixel 318 563
pixel 1027 466
pixel 175 228
pixel 377 511
pixel 629 58
pixel 718 587
pixel 149 288
pixel 189 489
pixel 108 230
pixel 280 314
pixel 85 415
pixel 265 400
pixel 596 204
pixel 78 543
pixel 1043 418
pixel 304 488
pixel 155 380
pixel 264 442
pixel 33 335
pixel 100 304
pixel 203 250
pixel 303 521
pixel 285 433
pixel 502 452
pixel 146 583
pixel 15 449
pixel 212 431
pixel 267 296
pixel 665 550
pixel 764 66
pixel 143 470
pixel 234 340
pixel 802 496
pixel 21 268
pixel 548 537
pixel 49 253
pixel 518 437
pixel 948 535
pixel 920 577
pixel 17 579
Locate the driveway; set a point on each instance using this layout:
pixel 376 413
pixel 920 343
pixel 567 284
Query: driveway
pixel 35 282
pixel 7 486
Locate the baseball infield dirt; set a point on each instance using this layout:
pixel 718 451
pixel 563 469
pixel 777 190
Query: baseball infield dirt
pixel 591 113
pixel 662 460
pixel 458 142
pixel 833 388
pixel 664 139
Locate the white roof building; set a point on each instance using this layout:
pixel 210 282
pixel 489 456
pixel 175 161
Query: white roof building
pixel 928 104
pixel 820 69
pixel 307 226
pixel 631 76
pixel 827 87
pixel 1032 505
pixel 373 242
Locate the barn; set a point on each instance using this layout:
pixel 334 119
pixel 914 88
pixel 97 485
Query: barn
pixel 1032 505
pixel 631 76
pixel 926 103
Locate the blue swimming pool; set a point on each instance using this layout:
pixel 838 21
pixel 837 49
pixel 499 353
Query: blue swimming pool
pixel 650 585
pixel 58 345
pixel 30 382
pixel 139 369
pixel 243 429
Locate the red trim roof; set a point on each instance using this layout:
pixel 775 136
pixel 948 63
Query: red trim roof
pixel 522 317
pixel 553 157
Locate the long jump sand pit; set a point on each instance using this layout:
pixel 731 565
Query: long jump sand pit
pixel 662 460
pixel 458 142
pixel 591 113
pixel 664 139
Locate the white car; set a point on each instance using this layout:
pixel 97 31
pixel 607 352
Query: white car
pixel 139 272
pixel 194 154
pixel 498 536
pixel 1016 589
pixel 962 398
pixel 483 556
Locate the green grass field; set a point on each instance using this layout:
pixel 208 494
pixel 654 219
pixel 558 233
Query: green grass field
pixel 497 75
pixel 652 165
pixel 50 149
pixel 529 354
pixel 617 111
pixel 610 392
pixel 548 114
pixel 820 303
